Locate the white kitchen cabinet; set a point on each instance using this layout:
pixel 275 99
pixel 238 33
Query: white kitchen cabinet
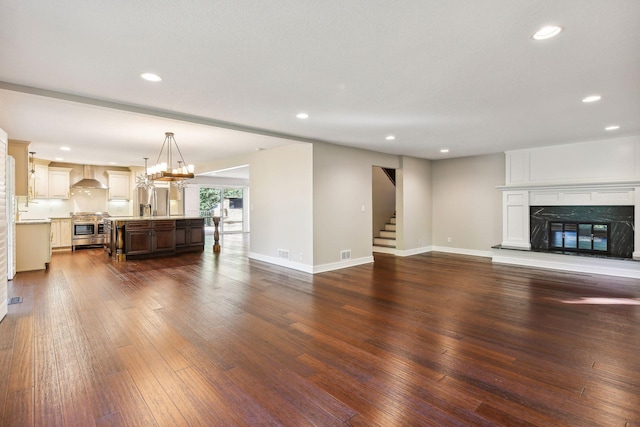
pixel 40 181
pixel 50 182
pixel 119 185
pixel 61 234
pixel 59 183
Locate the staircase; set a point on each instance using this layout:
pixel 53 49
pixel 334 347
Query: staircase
pixel 387 237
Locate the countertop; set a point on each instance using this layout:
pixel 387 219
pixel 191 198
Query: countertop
pixel 152 218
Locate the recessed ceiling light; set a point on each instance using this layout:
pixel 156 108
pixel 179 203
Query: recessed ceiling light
pixel 390 137
pixel 151 77
pixel 302 115
pixel 65 148
pixel 547 32
pixel 592 98
pixel 612 127
pixel 444 150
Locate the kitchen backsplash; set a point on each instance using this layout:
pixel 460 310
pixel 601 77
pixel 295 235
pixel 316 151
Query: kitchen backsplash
pixel 96 201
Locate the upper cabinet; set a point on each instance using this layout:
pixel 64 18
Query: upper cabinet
pixel 119 185
pixel 59 183
pixel 40 180
pixel 50 182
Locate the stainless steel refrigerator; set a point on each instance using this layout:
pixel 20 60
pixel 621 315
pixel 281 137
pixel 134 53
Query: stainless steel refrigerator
pixel 154 202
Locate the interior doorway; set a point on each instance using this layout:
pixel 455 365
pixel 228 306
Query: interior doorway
pixel 383 209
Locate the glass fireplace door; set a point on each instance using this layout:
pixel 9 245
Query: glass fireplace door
pixel 579 237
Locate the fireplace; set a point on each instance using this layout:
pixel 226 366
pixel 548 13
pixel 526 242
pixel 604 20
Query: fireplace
pixel 596 230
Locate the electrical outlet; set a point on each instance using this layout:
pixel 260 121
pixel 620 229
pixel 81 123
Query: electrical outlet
pixel 448 239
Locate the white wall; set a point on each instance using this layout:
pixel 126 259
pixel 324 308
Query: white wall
pixel 467 206
pixel 342 187
pixel 415 203
pixel 281 207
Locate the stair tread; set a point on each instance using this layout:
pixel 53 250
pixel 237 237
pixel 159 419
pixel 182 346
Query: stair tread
pixel 384 241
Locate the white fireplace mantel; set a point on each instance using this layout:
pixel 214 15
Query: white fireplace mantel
pixel 601 173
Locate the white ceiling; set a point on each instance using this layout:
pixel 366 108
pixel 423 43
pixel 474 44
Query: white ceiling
pixel 458 74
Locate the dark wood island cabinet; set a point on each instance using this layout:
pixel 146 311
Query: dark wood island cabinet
pixel 190 235
pixel 141 237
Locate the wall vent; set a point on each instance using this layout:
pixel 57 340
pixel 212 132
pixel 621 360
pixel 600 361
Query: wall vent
pixel 345 255
pixel 282 253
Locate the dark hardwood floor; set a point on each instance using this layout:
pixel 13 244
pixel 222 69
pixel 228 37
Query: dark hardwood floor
pixel 431 339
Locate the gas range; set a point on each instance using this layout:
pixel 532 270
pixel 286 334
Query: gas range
pixel 88 229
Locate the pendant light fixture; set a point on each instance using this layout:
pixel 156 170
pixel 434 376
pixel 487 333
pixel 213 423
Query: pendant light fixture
pixel 143 180
pixel 166 170
pixel 31 180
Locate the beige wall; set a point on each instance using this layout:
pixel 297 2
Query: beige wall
pixel 281 204
pixel 467 206
pixel 414 204
pixel 342 186
pixel 19 150
pixel 309 199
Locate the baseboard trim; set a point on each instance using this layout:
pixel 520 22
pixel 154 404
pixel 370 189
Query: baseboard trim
pixel 462 251
pixel 425 249
pixel 281 262
pixel 415 251
pixel 342 264
pixel 309 268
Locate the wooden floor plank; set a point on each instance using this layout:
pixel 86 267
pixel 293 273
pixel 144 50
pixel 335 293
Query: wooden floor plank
pixel 19 408
pixel 48 400
pixel 159 402
pixel 21 375
pixel 217 339
pixel 132 409
pixel 75 399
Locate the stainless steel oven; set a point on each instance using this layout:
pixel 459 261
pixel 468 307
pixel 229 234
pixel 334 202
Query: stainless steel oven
pixel 88 229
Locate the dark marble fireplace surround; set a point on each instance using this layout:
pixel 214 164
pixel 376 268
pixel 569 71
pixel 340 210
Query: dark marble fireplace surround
pixel 620 218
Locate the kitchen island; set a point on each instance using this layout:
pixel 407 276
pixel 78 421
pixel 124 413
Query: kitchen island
pixel 143 236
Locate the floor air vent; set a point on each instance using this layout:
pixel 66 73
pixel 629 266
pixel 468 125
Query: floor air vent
pixel 14 300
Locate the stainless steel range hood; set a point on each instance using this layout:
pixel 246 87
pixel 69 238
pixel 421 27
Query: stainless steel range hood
pixel 89 180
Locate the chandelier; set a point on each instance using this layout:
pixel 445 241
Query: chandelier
pixel 167 170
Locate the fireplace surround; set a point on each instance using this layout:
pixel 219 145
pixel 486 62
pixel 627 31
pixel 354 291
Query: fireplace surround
pixel 611 234
pixel 599 187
